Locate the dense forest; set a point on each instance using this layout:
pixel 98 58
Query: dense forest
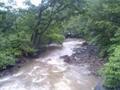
pixel 23 32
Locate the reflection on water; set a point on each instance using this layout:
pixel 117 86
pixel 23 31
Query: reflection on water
pixel 49 72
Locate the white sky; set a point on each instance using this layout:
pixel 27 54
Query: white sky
pixel 20 2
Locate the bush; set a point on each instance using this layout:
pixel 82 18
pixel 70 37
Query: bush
pixel 13 46
pixel 6 60
pixel 57 38
pixel 103 28
pixel 112 69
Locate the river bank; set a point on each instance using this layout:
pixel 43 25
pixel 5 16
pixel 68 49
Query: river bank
pixel 52 69
pixel 83 54
pixel 86 54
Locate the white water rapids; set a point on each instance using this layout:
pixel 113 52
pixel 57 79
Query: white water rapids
pixel 49 72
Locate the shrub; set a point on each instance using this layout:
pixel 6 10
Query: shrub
pixel 112 69
pixel 6 60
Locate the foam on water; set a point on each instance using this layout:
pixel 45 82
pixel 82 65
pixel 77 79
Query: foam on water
pixel 49 72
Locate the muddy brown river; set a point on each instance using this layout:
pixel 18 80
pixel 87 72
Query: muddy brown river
pixel 50 72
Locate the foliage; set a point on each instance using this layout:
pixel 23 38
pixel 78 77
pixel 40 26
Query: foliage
pixel 100 25
pixel 75 26
pixel 15 30
pixel 23 31
pixel 6 60
pixel 56 38
pixel 51 15
pixel 103 28
pixel 112 69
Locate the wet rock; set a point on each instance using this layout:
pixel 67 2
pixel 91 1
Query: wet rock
pixel 68 59
pixel 84 43
pixel 85 54
pixel 99 86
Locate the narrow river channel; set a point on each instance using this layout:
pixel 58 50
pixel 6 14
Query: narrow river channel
pixel 50 72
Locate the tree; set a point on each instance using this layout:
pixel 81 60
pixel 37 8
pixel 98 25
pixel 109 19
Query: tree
pixel 52 12
pixel 24 31
pixel 103 27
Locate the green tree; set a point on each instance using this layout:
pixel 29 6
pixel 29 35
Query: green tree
pixel 103 27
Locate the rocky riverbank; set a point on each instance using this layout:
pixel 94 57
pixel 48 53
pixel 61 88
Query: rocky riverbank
pixel 86 54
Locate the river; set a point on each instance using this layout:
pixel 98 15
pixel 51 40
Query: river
pixel 50 72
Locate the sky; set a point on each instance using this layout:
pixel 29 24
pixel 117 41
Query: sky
pixel 20 4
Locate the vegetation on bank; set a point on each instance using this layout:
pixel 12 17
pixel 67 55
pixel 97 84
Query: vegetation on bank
pixel 100 25
pixel 104 29
pixel 25 31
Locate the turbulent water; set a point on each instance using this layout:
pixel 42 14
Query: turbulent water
pixel 50 72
